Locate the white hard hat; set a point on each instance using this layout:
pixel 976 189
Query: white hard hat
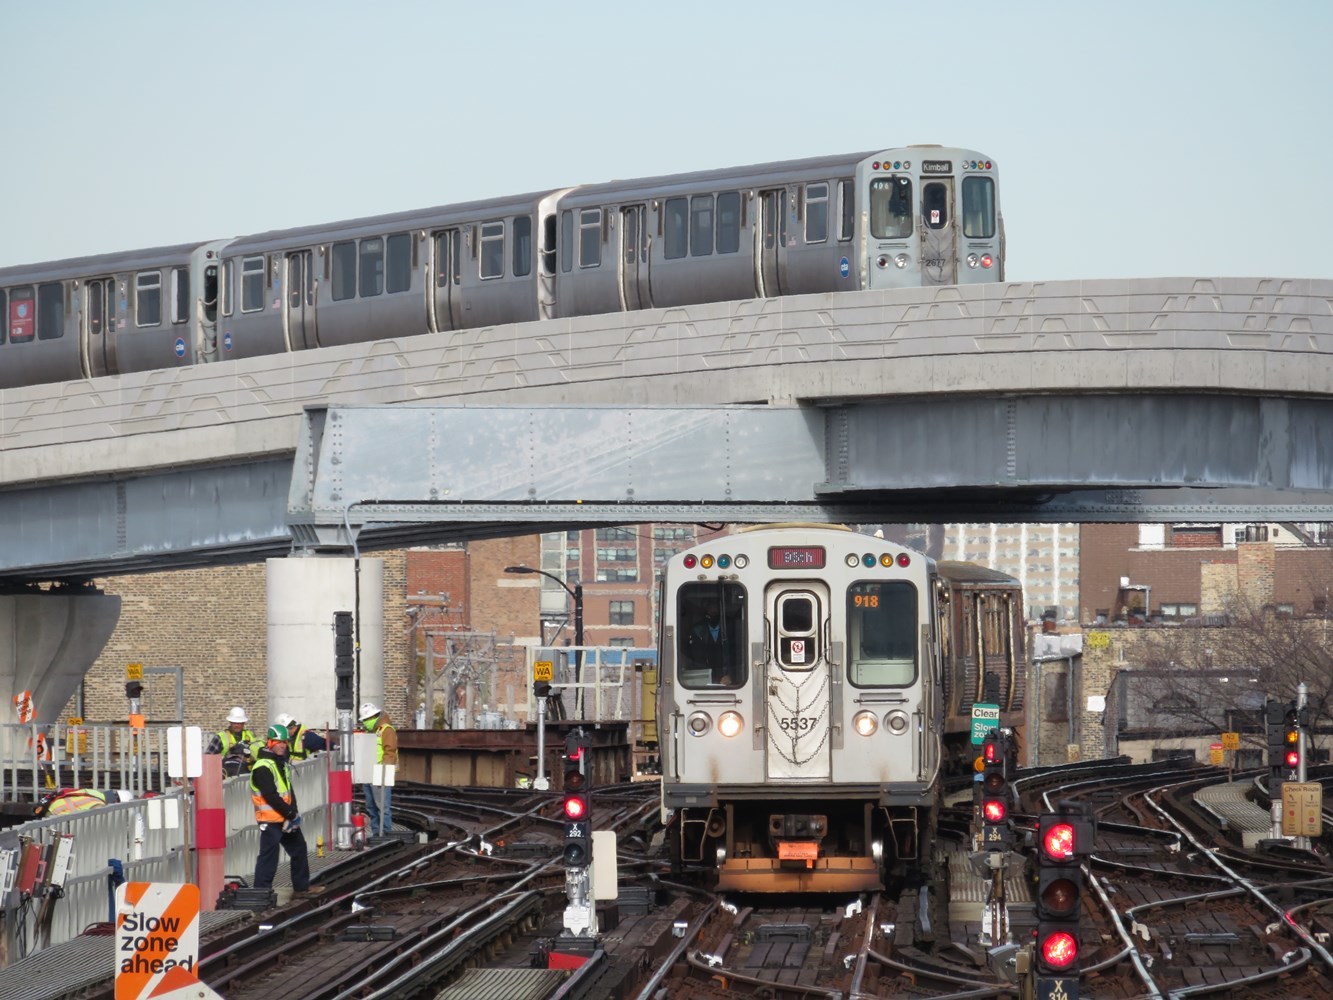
pixel 284 719
pixel 125 795
pixel 237 714
pixel 368 710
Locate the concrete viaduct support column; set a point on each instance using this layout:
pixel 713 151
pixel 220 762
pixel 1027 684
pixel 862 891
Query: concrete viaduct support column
pixel 48 640
pixel 303 594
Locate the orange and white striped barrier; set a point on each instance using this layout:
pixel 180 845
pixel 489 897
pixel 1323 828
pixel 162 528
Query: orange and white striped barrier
pixel 157 941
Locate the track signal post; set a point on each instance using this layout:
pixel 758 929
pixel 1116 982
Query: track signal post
pixel 576 808
pixel 995 795
pixel 1064 839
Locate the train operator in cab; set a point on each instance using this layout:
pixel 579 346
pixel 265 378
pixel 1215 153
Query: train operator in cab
pixel 710 645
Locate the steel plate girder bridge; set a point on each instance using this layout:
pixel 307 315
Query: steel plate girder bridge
pixel 1155 399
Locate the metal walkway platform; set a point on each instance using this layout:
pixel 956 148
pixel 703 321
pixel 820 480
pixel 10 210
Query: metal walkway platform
pixel 1234 810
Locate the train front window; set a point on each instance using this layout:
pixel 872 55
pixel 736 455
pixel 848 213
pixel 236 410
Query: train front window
pixel 935 205
pixel 710 635
pixel 891 208
pixel 978 208
pixel 798 620
pixel 882 629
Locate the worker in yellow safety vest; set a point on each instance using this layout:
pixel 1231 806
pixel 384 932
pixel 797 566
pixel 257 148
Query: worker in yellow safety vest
pixel 236 743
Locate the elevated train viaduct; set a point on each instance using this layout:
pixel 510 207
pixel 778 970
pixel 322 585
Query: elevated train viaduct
pixel 1156 399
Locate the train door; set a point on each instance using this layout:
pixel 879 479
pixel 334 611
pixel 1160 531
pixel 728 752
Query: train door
pixel 99 325
pixel 939 252
pixel 798 688
pixel 302 333
pixel 634 289
pixel 771 253
pixel 446 303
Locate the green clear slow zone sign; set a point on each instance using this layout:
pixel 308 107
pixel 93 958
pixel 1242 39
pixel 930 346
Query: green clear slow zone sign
pixel 984 719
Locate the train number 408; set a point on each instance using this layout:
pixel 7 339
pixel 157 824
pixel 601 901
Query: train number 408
pixel 795 723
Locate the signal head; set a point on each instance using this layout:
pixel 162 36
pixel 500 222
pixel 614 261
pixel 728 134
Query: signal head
pixel 575 808
pixel 990 752
pixel 1059 950
pixel 994 811
pixel 1293 759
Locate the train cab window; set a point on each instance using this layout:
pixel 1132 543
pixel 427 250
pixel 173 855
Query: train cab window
pixel 935 205
pixel 522 229
pixel 371 258
pixel 344 271
pixel 711 635
pixel 891 208
pixel 492 261
pixel 701 225
pixel 846 210
pixel 398 263
pixel 548 245
pixel 675 222
pixel 978 207
pixel 22 315
pixel 590 232
pixel 4 316
pixel 816 213
pixel 798 621
pixel 566 241
pixel 252 284
pixel 148 298
pixel 882 630
pixel 180 295
pixel 728 222
pixel 211 293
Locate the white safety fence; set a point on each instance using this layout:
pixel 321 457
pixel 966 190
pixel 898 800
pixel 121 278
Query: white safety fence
pixel 604 684
pixel 145 839
pixel 33 759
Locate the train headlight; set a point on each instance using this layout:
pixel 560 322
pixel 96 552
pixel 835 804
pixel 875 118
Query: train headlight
pixel 699 723
pixel 730 724
pixel 865 723
pixel 896 722
pixel 973 260
pixel 901 260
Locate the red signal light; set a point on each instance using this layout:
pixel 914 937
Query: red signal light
pixel 993 811
pixel 990 751
pixel 1293 759
pixel 1060 950
pixel 576 808
pixel 1058 842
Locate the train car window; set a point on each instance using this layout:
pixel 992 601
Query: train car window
pixel 701 225
pixel 180 295
pixel 371 269
pixel 590 233
pixel 4 316
pixel 711 635
pixel 344 271
pixel 847 210
pixel 978 207
pixel 891 208
pixel 398 263
pixel 148 298
pixel 675 220
pixel 566 241
pixel 456 241
pixel 211 292
pixel 22 315
pixel 441 260
pixel 882 629
pixel 522 230
pixel 728 222
pixel 252 284
pixel 935 205
pixel 816 213
pixel 798 621
pixel 50 311
pixel 492 250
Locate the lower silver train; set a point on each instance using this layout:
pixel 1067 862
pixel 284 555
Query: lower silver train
pixel 807 692
pixel 917 215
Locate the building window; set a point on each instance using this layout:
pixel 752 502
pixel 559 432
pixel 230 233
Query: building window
pixel 615 534
pixel 147 299
pixel 1179 612
pixel 622 613
pixel 672 533
pixel 615 554
pixel 630 575
pixel 621 642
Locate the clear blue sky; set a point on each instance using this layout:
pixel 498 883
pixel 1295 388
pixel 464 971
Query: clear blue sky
pixel 1133 138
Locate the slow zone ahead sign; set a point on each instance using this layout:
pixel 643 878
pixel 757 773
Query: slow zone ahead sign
pixel 157 939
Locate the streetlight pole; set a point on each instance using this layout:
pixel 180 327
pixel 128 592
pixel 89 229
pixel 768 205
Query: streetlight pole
pixel 576 592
